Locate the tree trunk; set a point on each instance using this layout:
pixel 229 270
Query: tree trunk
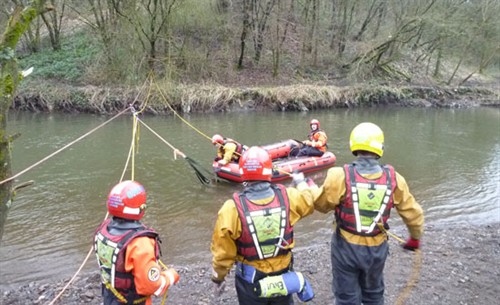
pixel 54 25
pixel 19 22
pixel 244 32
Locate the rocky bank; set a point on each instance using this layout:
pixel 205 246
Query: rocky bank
pixel 457 265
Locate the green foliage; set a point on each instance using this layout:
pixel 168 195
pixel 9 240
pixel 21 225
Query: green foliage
pixel 6 54
pixel 69 64
pixel 366 41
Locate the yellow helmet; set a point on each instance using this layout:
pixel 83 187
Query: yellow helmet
pixel 368 137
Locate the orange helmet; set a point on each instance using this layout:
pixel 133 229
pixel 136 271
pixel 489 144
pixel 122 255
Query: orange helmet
pixel 127 200
pixel 217 139
pixel 314 122
pixel 256 165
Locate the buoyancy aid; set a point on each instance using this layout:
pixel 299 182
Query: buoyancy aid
pixel 311 137
pixel 367 202
pixel 110 251
pixel 239 148
pixel 266 229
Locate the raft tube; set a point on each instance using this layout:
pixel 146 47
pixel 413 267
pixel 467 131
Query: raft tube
pixel 281 149
pixel 282 167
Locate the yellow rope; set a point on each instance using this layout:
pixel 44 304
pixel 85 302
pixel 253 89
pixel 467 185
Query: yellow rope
pixel 91 248
pixel 62 148
pixel 164 299
pixel 176 151
pixel 412 280
pixel 130 156
pixel 415 273
pixel 148 95
pixel 120 297
pixel 178 115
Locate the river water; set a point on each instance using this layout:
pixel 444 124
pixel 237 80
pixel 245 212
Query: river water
pixel 449 157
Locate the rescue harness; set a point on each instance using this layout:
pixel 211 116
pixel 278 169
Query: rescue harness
pixel 368 201
pixel 266 230
pixel 111 259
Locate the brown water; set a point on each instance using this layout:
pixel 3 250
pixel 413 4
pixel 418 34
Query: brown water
pixel 450 158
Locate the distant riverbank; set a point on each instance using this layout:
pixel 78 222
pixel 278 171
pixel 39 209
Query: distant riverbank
pixel 164 99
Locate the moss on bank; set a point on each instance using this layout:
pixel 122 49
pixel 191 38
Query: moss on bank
pixel 160 99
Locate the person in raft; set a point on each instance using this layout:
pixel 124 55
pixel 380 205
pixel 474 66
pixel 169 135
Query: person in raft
pixel 254 230
pixel 228 150
pixel 315 145
pixel 362 195
pixel 128 252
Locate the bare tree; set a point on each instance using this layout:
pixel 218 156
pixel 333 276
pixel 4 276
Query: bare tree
pixel 149 19
pixel 246 10
pixel 53 22
pixel 103 20
pixel 260 16
pixel 282 21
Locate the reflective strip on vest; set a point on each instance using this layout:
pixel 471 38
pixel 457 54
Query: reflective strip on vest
pixel 264 227
pixel 111 258
pixel 368 202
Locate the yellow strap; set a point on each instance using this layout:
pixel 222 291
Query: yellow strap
pixel 120 296
pixel 383 229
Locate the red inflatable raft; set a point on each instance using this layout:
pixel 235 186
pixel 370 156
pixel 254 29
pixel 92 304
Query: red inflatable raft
pixel 283 167
pixel 281 149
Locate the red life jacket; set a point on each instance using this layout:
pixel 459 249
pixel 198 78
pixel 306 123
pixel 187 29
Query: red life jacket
pixel 117 276
pixel 367 202
pixel 266 229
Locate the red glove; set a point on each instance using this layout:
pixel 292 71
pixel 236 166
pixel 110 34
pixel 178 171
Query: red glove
pixel 412 244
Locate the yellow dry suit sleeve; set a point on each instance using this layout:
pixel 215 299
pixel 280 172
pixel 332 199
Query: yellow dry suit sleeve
pixel 408 208
pixel 227 229
pixel 332 191
pixel 229 150
pixel 301 202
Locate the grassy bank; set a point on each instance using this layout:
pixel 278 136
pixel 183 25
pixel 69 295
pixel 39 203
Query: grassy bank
pixel 160 99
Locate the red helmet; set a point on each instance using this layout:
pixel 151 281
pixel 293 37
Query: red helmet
pixel 217 138
pixel 127 200
pixel 256 165
pixel 314 121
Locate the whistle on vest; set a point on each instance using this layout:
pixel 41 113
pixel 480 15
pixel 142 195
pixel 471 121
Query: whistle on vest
pixel 285 284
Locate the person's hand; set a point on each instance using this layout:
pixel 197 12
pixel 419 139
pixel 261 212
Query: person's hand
pixel 222 162
pixel 307 142
pixel 172 279
pixel 298 178
pixel 218 287
pixel 412 244
pixel 172 276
